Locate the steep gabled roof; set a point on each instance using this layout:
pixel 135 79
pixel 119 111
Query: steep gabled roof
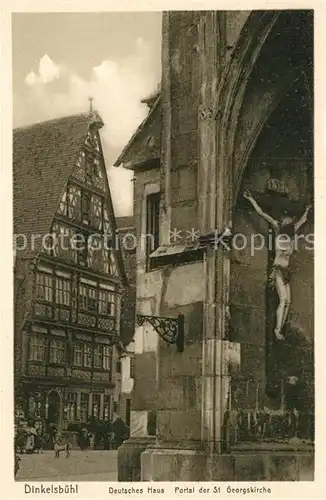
pixel 125 222
pixel 151 99
pixel 153 103
pixel 44 155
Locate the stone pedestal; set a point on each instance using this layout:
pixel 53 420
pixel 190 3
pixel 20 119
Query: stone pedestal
pixel 186 465
pixel 142 422
pixel 129 454
pixel 190 397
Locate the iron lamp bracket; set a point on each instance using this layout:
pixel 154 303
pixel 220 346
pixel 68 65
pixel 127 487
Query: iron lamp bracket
pixel 171 330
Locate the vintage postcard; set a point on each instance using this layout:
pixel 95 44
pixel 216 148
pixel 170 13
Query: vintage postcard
pixel 162 294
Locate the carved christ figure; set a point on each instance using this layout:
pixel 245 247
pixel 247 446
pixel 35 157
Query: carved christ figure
pixel 279 277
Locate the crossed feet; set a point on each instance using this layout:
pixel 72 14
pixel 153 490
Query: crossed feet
pixel 278 334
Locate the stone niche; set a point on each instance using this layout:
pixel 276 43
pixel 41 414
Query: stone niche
pixel 272 396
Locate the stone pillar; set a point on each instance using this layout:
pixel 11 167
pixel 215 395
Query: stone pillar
pixel 216 214
pixel 193 385
pixel 143 406
pixel 144 393
pixel 78 405
pixel 46 405
pixel 101 406
pixel 90 404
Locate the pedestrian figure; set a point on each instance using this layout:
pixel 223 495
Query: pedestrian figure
pixel 39 442
pixel 17 460
pixel 119 429
pixel 30 439
pixel 91 438
pixel 83 438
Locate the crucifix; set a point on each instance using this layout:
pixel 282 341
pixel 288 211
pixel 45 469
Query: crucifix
pixel 285 217
pixel 285 229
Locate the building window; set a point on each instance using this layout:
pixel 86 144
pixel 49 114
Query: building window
pixel 83 354
pixel 118 366
pixel 84 406
pixel 98 356
pixel 57 351
pixel 88 356
pixel 80 244
pixel 106 407
pixel 107 357
pixel 44 287
pixel 92 304
pixel 97 211
pixel 152 223
pixel 106 303
pixel 72 406
pixel 78 354
pixel 37 348
pixel 87 299
pixel 85 205
pixel 63 205
pixel 97 168
pixel 62 292
pixel 96 404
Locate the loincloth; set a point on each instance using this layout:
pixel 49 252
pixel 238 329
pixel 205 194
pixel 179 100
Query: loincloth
pixel 284 272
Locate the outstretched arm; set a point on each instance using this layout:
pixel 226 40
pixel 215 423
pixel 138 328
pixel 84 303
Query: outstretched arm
pixel 259 211
pixel 303 219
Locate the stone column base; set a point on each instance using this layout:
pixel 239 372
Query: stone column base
pixel 129 457
pixel 190 465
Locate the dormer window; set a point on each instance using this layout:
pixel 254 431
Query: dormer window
pixel 89 142
pixel 152 225
pixel 96 168
pixel 89 170
pixel 92 140
pixel 81 248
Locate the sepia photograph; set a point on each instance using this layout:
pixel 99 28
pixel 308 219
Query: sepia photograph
pixel 163 232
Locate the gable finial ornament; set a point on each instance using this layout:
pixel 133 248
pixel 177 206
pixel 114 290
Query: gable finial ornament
pixel 94 117
pixel 91 104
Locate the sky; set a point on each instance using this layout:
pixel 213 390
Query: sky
pixel 62 59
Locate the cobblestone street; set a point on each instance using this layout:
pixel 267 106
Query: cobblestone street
pixel 81 466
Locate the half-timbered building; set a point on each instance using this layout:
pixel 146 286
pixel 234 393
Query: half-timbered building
pixel 69 274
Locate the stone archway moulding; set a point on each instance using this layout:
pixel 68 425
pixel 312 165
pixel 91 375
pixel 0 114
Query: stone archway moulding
pixel 231 95
pixel 263 114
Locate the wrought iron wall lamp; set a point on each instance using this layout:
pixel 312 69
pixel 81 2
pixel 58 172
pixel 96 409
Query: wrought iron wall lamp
pixel 169 329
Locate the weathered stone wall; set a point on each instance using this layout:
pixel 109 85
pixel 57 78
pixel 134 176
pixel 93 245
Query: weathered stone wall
pixel 235 21
pixel 147 143
pixel 185 81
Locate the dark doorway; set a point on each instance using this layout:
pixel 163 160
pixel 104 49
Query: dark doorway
pixel 54 408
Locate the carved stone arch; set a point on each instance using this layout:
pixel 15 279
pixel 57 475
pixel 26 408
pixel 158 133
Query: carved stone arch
pixel 54 406
pixel 262 117
pixel 233 90
pixel 233 84
pixel 263 129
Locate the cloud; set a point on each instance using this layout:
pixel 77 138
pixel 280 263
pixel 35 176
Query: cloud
pixel 47 72
pixel 117 87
